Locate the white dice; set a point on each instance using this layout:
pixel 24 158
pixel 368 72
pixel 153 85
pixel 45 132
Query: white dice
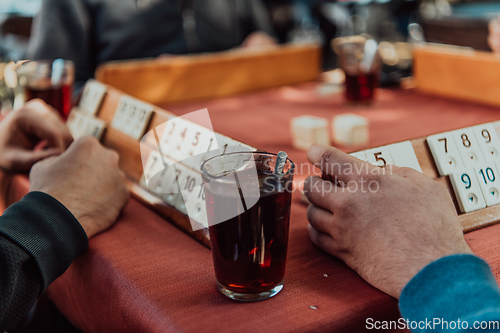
pixel 350 129
pixel 309 130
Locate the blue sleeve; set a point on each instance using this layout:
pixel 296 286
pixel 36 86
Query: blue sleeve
pixel 457 293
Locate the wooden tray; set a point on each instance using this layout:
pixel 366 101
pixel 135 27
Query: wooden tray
pixel 183 78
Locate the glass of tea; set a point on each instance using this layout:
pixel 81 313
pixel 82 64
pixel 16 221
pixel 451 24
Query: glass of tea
pixel 51 81
pixel 359 59
pixel 248 210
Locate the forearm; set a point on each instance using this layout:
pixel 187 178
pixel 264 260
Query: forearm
pixel 452 289
pixel 39 238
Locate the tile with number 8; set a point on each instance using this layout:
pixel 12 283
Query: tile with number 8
pixel 468 147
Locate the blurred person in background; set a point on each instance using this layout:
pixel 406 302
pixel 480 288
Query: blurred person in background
pixel 91 32
pixel 494 36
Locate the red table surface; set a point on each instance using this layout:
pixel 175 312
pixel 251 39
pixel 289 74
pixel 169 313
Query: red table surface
pixel 144 275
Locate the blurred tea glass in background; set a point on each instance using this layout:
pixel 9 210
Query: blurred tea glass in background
pixel 360 61
pixel 51 81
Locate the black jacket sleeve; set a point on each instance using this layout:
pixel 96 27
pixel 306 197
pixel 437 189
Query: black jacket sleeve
pixel 39 238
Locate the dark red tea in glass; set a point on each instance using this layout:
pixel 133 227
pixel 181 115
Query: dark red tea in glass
pixel 360 88
pixel 359 59
pixel 50 81
pixel 249 248
pixel 58 97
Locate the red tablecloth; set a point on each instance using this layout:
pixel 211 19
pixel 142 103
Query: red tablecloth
pixel 144 275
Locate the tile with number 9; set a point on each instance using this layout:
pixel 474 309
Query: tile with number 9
pixel 488 141
pixel 467 190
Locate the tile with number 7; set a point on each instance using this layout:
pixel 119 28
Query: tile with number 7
pixel 445 153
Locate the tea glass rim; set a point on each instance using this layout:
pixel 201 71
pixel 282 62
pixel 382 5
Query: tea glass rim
pixel 22 67
pixel 212 177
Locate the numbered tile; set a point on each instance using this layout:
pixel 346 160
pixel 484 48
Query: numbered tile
pixel 487 137
pixel 468 147
pixel 467 190
pixel 187 180
pixel 152 167
pixel 403 155
pixel 487 176
pixel 171 191
pixel 121 114
pixel 359 155
pixel 379 156
pixel 92 96
pixel 174 141
pixel 80 126
pixel 198 146
pixel 141 120
pixel 95 127
pixel 194 197
pixel 74 122
pixel 132 117
pixel 167 139
pixel 445 153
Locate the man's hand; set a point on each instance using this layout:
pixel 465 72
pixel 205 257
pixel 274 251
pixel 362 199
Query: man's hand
pixel 385 225
pixel 24 129
pixel 85 179
pixel 494 36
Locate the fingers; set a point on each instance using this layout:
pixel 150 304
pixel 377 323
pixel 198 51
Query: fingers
pixel 319 218
pixel 323 193
pixel 337 165
pixel 323 241
pixel 23 160
pixel 38 119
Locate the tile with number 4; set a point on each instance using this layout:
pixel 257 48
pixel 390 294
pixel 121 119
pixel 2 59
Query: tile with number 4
pixel 445 153
pixel 467 190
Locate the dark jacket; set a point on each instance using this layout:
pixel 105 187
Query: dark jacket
pixel 39 238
